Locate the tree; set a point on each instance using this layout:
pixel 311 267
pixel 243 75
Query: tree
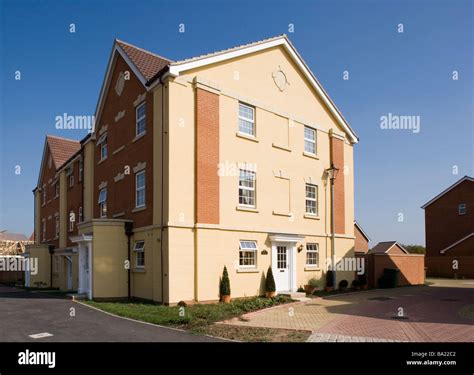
pixel 270 281
pixel 414 249
pixel 225 283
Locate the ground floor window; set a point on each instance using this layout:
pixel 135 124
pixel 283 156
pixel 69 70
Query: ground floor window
pixel 248 254
pixel 139 249
pixel 312 254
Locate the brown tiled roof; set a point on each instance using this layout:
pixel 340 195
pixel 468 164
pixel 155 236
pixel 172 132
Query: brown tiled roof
pixel 383 247
pixel 146 62
pixel 62 149
pixel 8 236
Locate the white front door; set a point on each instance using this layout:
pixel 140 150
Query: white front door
pixel 282 266
pixel 84 269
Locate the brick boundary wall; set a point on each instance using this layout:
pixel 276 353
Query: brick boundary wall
pixel 411 266
pixel 442 266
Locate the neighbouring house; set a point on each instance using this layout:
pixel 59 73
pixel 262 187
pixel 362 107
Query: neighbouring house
pixel 13 243
pixel 193 165
pixel 388 247
pixel 361 240
pixel 449 231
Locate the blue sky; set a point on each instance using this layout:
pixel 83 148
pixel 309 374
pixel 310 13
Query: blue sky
pixel 407 73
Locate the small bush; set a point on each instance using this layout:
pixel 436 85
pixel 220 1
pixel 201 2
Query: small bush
pixel 356 283
pixel 182 304
pixel 343 284
pixel 313 283
pixel 300 290
pixel 363 279
pixel 270 281
pixel 225 283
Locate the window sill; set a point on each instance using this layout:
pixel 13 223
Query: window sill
pixel 139 270
pixel 247 209
pixel 280 213
pixel 247 270
pixel 139 136
pixel 101 161
pixel 138 209
pixel 280 147
pixel 246 136
pixel 118 215
pixel 310 155
pixel 312 268
pixel 56 238
pixel 311 216
pixel 118 150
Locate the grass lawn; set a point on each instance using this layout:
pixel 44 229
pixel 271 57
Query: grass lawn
pixel 200 318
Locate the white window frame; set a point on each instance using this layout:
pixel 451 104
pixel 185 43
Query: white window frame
pixel 71 223
pixel 312 248
pixel 310 141
pixel 462 209
pixel 247 119
pixel 310 199
pixel 139 247
pixel 139 119
pixel 102 203
pixel 56 226
pixel 71 180
pixel 104 152
pixel 137 189
pixel 248 246
pixel 251 189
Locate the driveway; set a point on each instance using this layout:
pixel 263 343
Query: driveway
pixel 443 311
pixel 26 313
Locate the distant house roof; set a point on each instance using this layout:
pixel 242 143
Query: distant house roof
pixel 361 230
pixel 384 247
pixel 465 178
pixel 62 149
pixel 32 237
pixel 8 236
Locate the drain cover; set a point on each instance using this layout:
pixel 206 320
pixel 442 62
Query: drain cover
pixel 379 298
pixel 450 300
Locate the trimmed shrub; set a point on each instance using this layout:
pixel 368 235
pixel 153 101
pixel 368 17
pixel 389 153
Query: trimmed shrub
pixel 225 283
pixel 363 279
pixel 329 279
pixel 300 290
pixel 343 284
pixel 356 283
pixel 270 281
pixel 313 283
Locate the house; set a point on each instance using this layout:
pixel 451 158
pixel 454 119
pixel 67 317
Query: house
pixel 388 247
pixel 449 231
pixel 361 240
pixel 219 160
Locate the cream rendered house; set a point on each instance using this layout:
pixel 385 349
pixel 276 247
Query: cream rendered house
pixel 241 143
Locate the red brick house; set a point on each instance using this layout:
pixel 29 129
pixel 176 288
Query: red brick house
pixel 361 239
pixel 449 228
pixel 388 247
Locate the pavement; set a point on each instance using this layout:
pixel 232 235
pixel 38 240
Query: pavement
pixel 441 312
pixel 52 319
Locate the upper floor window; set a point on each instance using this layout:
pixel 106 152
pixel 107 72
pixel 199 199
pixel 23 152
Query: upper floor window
pixel 139 249
pixel 310 140
pixel 81 170
pixel 247 254
pixel 311 199
pixel 103 149
pixel 462 209
pixel 70 173
pixel 56 189
pixel 312 254
pixel 141 118
pixel 246 188
pixel 80 215
pixel 56 226
pixel 72 219
pixel 103 203
pixel 44 194
pixel 140 189
pixel 246 120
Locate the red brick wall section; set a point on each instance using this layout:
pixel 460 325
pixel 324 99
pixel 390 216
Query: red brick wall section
pixel 207 157
pixel 443 266
pixel 361 243
pixel 443 225
pixel 337 157
pixel 412 268
pixel 73 201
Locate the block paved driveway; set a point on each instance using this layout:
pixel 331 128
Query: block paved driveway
pixel 25 313
pixel 442 312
